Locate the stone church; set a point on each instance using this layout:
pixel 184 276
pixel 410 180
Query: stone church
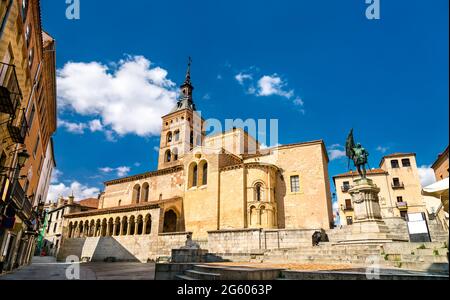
pixel 210 184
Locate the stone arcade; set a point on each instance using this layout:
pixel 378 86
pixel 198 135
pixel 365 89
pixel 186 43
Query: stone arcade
pixel 224 189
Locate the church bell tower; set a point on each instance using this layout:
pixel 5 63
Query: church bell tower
pixel 182 129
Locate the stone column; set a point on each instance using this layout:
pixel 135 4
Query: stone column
pixel 114 229
pixel 144 226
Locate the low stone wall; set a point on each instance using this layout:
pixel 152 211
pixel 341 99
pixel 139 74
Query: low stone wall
pixel 257 240
pixel 146 248
pixel 122 248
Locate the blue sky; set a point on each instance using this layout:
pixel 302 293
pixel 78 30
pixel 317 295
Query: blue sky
pixel 320 67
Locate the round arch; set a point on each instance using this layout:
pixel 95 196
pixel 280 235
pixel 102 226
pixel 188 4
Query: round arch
pixel 170 221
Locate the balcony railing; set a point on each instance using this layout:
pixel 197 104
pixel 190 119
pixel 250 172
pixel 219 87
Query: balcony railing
pixel 10 94
pixel 402 205
pixel 348 208
pixel 19 131
pixel 399 185
pixel 345 188
pixel 22 201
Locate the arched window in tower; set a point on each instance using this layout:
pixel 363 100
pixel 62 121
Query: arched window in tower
pixel 175 154
pixel 136 194
pixel 203 169
pixel 145 192
pixel 259 192
pixel 169 137
pixel 192 138
pixel 168 156
pixel 195 176
pixel 177 135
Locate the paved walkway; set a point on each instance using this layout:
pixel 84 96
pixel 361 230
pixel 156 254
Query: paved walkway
pixel 46 268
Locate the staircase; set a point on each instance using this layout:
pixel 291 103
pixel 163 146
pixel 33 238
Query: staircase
pixel 216 272
pixel 437 232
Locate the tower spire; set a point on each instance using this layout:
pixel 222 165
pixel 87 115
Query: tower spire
pixel 188 72
pixel 185 101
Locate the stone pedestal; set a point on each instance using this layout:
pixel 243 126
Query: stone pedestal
pixel 368 226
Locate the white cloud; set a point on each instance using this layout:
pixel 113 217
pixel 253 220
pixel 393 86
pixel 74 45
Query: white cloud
pixel 382 149
pixel 273 85
pixel 123 171
pixel 156 148
pixel 79 190
pixel 427 176
pixel 120 171
pixel 129 98
pixel 299 101
pixel 56 175
pixel 95 125
pixel 219 77
pixel 106 170
pixel 264 146
pixel 242 77
pixel 336 151
pixel 77 128
pixel 207 97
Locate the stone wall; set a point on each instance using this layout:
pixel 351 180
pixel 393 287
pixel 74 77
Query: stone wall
pixel 122 248
pixel 257 240
pixel 146 248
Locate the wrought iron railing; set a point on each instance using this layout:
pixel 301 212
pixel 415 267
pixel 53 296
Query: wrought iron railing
pixel 10 93
pixel 398 185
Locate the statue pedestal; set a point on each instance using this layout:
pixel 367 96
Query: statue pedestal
pixel 368 226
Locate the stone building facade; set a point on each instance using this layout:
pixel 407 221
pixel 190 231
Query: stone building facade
pixel 27 121
pixel 399 183
pixel 440 166
pixel 55 213
pixel 208 185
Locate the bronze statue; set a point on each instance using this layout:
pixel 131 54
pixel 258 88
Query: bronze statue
pixel 358 154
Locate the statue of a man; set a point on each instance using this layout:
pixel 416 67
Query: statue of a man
pixel 358 154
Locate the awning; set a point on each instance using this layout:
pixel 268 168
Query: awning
pixel 438 189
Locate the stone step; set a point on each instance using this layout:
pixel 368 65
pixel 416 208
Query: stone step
pixel 184 277
pixel 439 268
pixel 239 273
pixel 415 258
pixel 326 252
pixel 202 275
pixel 359 275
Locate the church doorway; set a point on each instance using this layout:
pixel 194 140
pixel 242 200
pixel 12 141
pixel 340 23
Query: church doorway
pixel 170 222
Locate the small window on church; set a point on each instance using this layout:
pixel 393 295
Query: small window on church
pixel 169 137
pixel 177 135
pixel 295 184
pixel 258 191
pixel 168 156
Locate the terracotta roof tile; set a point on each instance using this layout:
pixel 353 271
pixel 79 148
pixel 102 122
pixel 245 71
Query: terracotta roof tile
pixel 91 203
pixel 355 173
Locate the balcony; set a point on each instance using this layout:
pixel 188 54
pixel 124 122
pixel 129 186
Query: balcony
pixel 398 185
pixel 19 131
pixel 10 94
pixel 345 188
pixel 22 201
pixel 403 206
pixel 348 208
